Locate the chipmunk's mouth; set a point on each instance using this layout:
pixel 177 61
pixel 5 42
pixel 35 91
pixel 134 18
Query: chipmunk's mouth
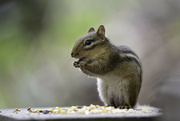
pixel 83 59
pixel 79 59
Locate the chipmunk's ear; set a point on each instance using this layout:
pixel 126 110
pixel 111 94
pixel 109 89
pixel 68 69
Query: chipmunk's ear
pixel 91 29
pixel 101 32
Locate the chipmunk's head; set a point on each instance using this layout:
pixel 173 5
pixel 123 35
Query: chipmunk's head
pixel 90 45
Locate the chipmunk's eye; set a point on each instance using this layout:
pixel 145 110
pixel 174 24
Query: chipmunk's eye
pixel 88 42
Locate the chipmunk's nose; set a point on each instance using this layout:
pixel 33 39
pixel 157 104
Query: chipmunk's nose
pixel 74 55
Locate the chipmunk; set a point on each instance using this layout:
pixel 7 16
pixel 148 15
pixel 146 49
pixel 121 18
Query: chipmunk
pixel 117 68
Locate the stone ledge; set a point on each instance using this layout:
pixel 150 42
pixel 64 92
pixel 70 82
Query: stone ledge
pixel 23 115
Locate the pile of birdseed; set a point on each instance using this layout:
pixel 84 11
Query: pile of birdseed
pixel 92 109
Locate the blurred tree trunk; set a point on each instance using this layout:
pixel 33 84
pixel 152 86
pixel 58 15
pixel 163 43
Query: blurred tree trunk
pixel 33 12
pixel 30 13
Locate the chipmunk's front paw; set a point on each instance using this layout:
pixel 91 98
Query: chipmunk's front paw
pixel 76 64
pixel 80 64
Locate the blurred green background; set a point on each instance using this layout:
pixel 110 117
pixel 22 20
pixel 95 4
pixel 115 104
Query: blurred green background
pixel 36 38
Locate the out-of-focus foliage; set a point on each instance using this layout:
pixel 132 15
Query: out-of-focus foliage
pixel 36 38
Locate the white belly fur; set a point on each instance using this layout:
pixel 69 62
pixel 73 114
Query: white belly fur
pixel 111 86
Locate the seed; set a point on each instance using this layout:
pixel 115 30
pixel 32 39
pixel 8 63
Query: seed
pixel 46 111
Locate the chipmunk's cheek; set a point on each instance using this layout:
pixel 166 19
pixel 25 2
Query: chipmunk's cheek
pixel 87 60
pixel 90 61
